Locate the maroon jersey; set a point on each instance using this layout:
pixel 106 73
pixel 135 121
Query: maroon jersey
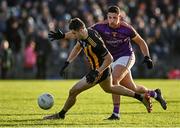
pixel 118 40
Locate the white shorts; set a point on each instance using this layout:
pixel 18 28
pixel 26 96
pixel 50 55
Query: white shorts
pixel 126 61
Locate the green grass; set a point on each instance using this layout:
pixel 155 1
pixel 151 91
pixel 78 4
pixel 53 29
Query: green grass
pixel 18 106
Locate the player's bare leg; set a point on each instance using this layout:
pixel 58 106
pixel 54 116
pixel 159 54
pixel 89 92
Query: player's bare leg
pixel 118 74
pixel 121 90
pixel 108 87
pixel 71 100
pixel 76 90
pixel 128 82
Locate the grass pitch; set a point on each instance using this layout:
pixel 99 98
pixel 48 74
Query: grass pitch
pixel 18 106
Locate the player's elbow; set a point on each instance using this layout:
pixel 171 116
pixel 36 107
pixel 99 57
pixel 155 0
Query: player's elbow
pixel 110 58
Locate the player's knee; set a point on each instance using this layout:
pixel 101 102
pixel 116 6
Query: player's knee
pixel 73 92
pixel 115 79
pixel 135 89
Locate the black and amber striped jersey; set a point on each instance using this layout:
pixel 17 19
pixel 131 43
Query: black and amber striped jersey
pixel 94 48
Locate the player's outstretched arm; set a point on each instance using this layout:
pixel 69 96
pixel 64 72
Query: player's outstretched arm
pixel 60 35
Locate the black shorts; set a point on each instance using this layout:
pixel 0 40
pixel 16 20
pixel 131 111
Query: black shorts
pixel 105 74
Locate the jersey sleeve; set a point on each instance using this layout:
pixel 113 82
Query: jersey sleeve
pixel 131 32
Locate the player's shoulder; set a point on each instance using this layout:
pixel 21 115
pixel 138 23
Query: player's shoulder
pixel 125 24
pixel 129 27
pixel 92 32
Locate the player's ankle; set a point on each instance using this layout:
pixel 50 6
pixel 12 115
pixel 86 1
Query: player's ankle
pixel 62 113
pixel 138 97
pixel 152 93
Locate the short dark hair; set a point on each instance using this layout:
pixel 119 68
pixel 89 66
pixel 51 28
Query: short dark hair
pixel 76 24
pixel 114 9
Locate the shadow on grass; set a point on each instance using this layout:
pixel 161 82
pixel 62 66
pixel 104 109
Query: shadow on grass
pixel 62 123
pixel 53 123
pixel 21 114
pixel 23 120
pixel 82 113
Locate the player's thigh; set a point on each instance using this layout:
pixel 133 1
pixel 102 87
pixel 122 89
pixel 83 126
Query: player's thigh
pixel 119 72
pixel 81 86
pixel 128 81
pixel 122 66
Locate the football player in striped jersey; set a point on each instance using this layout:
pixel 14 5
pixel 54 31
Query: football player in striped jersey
pixel 99 59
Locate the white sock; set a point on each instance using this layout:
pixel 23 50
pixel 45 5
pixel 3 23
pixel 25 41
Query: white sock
pixel 155 95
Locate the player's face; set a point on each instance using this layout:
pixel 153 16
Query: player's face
pixel 80 34
pixel 75 33
pixel 113 19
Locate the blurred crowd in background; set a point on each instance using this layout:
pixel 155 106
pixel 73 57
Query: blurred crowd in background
pixel 26 52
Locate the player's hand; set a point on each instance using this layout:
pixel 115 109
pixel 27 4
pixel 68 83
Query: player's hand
pixel 148 61
pixel 56 35
pixel 91 76
pixel 61 72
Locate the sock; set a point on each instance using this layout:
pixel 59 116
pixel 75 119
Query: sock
pixel 138 96
pixel 116 109
pixel 62 113
pixel 153 94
